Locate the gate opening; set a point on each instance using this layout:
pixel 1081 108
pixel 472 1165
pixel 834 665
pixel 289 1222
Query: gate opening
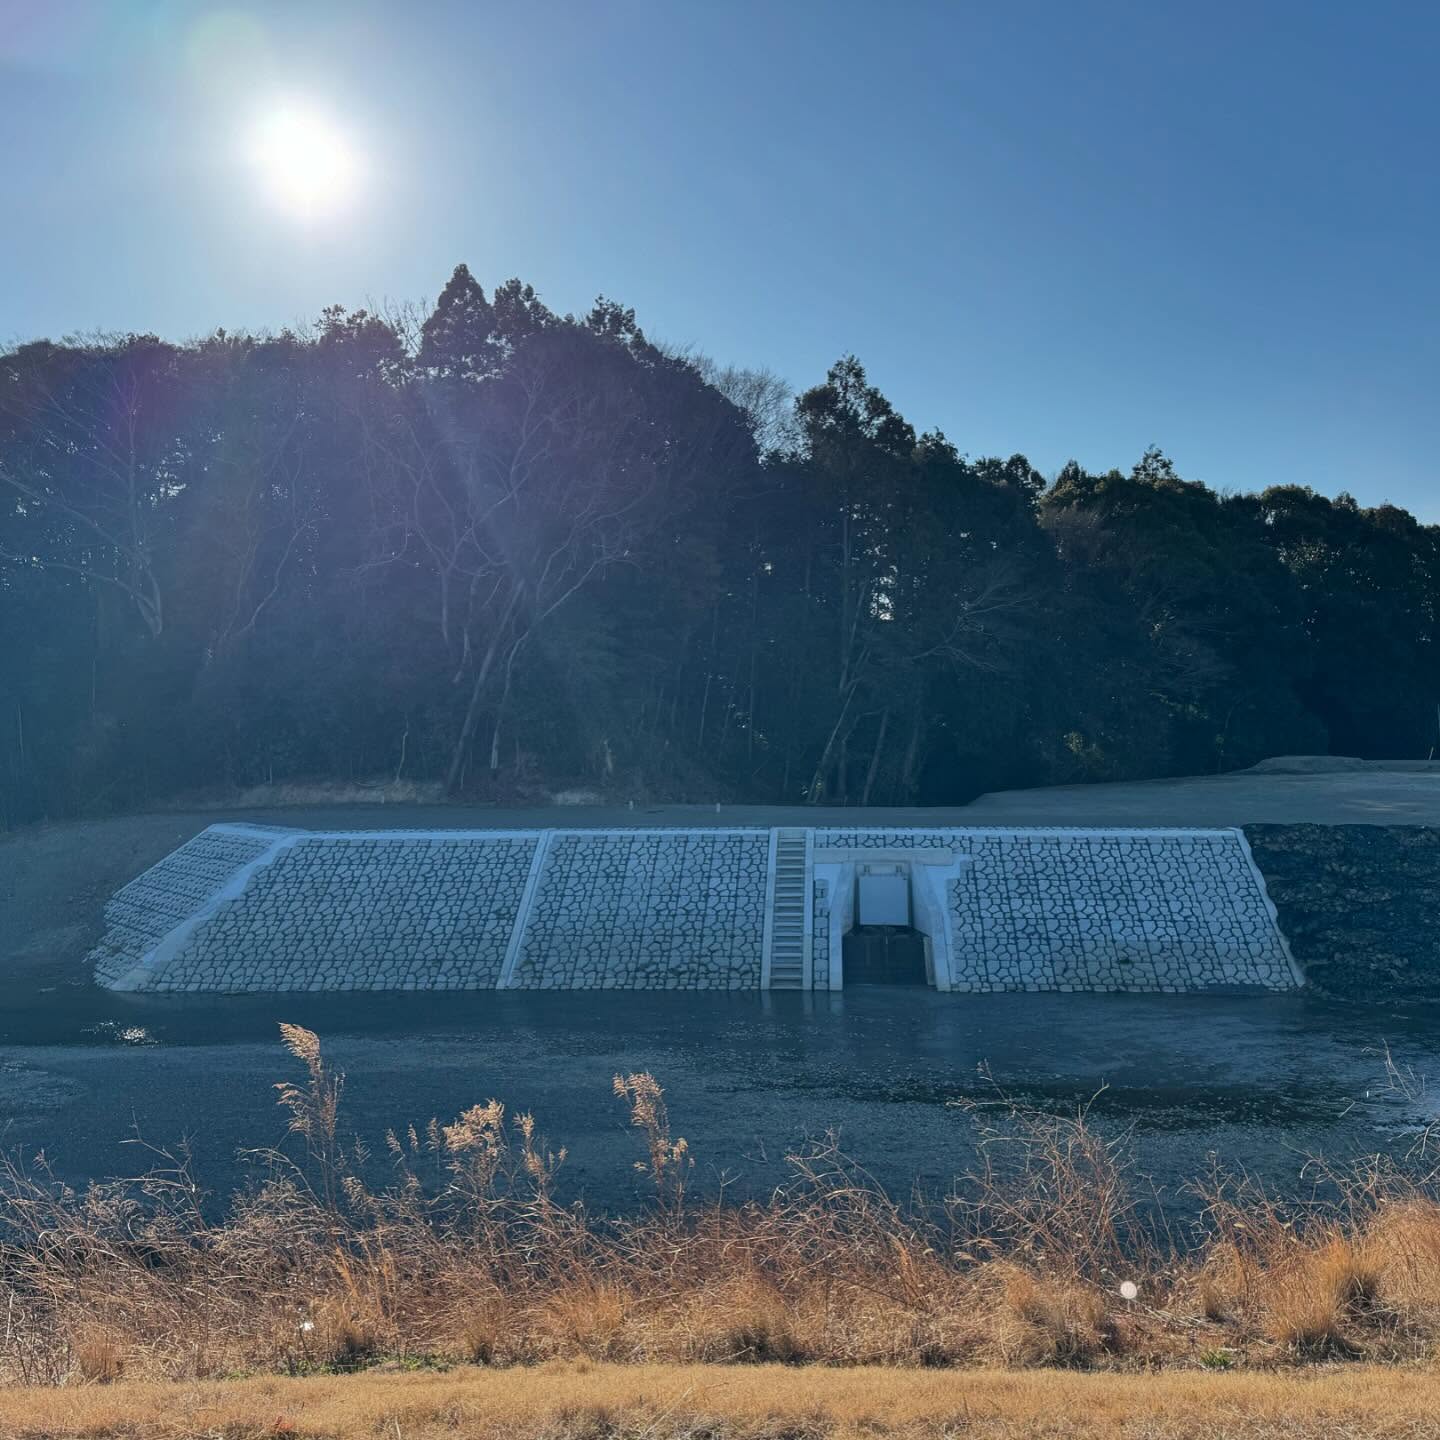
pixel 884 955
pixel 884 947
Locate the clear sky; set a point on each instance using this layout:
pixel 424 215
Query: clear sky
pixel 1071 228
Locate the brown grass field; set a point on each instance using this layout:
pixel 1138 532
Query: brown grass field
pixel 1039 1297
pixel 582 1401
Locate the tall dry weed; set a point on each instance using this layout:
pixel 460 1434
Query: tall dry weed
pixel 670 1161
pixel 1053 1189
pixel 1042 1254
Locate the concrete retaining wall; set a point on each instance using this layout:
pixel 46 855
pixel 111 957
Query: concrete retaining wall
pixel 248 908
pixel 168 896
pixel 647 910
pixel 364 912
pixel 1165 911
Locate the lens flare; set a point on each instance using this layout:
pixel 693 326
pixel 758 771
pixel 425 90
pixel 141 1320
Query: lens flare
pixel 305 162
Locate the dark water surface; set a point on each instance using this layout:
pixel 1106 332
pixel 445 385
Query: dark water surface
pixel 1262 1082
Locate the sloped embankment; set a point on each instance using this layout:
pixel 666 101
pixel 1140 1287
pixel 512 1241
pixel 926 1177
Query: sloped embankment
pixel 1360 905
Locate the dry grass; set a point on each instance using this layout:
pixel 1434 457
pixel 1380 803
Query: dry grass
pixel 1040 1258
pixel 561 1401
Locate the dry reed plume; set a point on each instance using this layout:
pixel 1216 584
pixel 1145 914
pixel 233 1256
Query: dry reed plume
pixel 1042 1256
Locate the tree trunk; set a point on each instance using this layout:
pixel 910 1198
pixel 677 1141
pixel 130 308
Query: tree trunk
pixel 817 783
pixel 754 660
pixel 477 691
pixel 709 676
pixel 912 755
pixel 504 701
pixel 875 758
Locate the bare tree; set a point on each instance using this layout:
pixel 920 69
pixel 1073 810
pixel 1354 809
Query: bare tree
pixel 765 399
pixel 90 459
pixel 514 492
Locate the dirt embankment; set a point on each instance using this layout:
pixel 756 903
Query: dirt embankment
pixel 1360 905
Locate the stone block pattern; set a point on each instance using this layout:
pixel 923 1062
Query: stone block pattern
pixel 647 910
pixel 1122 911
pixel 677 909
pixel 890 839
pixel 820 936
pixel 364 912
pixel 139 916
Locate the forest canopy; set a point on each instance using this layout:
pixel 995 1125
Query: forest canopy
pixel 497 550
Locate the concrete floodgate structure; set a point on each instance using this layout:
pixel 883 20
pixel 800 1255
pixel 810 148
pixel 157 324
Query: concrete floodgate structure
pixel 259 908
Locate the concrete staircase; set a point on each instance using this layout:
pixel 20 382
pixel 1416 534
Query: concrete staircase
pixel 789 915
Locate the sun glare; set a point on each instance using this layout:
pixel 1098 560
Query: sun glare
pixel 305 162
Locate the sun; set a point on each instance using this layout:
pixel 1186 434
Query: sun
pixel 305 162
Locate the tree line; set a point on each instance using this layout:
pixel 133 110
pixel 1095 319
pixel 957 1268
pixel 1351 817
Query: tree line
pixel 496 550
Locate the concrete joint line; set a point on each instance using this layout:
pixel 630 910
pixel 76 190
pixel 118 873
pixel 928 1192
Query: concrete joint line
pixel 506 980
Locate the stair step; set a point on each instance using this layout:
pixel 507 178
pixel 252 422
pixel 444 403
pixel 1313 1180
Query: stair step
pixel 789 910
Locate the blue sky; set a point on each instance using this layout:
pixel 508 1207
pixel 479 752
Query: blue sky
pixel 1071 229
